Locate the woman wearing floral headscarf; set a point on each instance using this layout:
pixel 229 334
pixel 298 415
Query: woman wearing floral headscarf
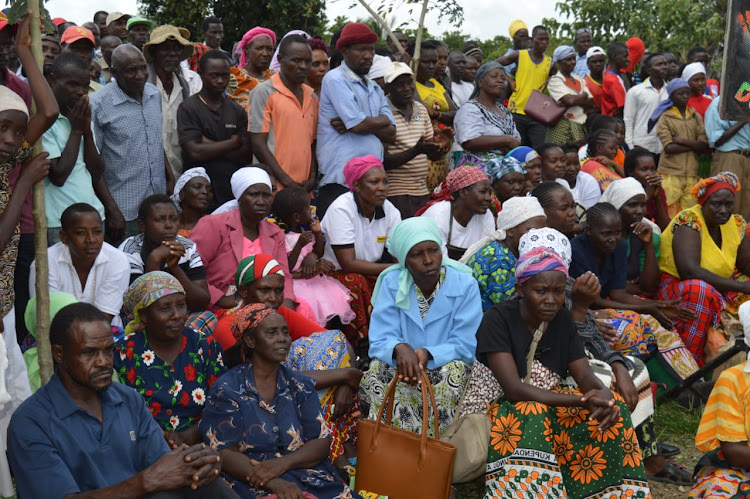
pixel 192 197
pixel 170 365
pixel 256 50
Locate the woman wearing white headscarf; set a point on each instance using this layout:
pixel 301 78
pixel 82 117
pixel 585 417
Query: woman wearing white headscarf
pixel 571 91
pixel 224 239
pixel 695 75
pixel 493 258
pixel 192 196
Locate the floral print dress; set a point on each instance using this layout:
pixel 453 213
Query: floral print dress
pixel 236 416
pixel 175 393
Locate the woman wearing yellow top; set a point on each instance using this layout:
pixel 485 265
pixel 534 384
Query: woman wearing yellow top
pixel 701 274
pixel 256 50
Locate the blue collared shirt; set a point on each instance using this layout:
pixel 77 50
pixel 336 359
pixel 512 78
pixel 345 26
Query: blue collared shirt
pixel 57 448
pixel 128 134
pixel 346 95
pixel 581 69
pixel 715 128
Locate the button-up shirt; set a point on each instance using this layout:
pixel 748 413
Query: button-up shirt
pixel 715 128
pixel 128 134
pixel 582 68
pixel 352 98
pixel 640 102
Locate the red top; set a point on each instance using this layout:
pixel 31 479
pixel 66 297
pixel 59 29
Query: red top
pixel 613 93
pixel 700 104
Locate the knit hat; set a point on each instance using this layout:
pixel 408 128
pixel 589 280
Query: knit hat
pixel 354 33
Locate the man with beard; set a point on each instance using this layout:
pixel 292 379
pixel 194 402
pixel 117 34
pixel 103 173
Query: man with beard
pixel 286 103
pixel 355 118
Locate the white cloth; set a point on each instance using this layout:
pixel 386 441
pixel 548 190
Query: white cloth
pixel 460 236
pixel 247 176
pixel 558 89
pixel 461 92
pixel 619 192
pixel 9 100
pixel 169 105
pixel 379 64
pixel 693 69
pixel 107 282
pixel 546 238
pixel 744 313
pixel 586 191
pixel 640 102
pixel 186 177
pixel 344 225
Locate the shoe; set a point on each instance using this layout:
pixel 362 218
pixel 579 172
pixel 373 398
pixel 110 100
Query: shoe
pixel 673 473
pixel 666 450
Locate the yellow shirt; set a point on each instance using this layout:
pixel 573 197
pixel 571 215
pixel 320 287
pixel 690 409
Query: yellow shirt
pixel 725 416
pixel 433 98
pixel 529 76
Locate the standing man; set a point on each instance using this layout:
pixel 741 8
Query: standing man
pixel 117 25
pixel 456 67
pixel 519 33
pixel 212 129
pixel 596 60
pixel 139 30
pixel 100 18
pixel 284 117
pixel 640 102
pixel 355 118
pixel 615 83
pixel 94 28
pixel 582 43
pixel 109 44
pixel 396 54
pixel 534 69
pixel 80 41
pixel 50 50
pixel 127 125
pixel 213 32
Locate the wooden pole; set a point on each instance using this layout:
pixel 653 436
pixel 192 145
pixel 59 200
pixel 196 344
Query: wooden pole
pixel 40 228
pixel 418 41
pixel 383 25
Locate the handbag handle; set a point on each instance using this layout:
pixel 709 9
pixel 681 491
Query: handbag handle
pixel 532 350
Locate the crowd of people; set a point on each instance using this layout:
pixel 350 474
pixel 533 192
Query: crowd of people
pixel 247 246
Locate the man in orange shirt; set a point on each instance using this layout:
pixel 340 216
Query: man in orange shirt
pixel 615 84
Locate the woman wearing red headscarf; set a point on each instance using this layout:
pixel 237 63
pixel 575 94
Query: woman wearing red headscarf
pixel 256 50
pixel 712 244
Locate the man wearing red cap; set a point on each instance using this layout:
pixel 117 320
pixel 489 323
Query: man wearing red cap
pixel 7 77
pixel 81 42
pixel 354 114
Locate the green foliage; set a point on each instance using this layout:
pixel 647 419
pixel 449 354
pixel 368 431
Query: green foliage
pixel 19 8
pixel 180 13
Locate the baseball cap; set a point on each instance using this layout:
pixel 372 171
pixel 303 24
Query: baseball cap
pixel 591 52
pixel 135 20
pixel 75 33
pixel 396 69
pixel 114 16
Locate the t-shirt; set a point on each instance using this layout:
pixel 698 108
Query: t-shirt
pixel 612 274
pixel 613 93
pixel 190 262
pixel 461 92
pixel 595 89
pixel 504 330
pixel 459 236
pixel 586 190
pixel 409 179
pixel 345 227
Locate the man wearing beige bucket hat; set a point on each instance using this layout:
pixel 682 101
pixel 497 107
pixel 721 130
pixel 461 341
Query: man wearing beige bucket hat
pixel 165 50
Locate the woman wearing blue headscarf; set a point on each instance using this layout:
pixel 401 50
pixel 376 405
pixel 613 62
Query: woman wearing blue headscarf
pixel 426 311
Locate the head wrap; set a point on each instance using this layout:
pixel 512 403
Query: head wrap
pixel 636 50
pixel 144 292
pixel 380 64
pixel 497 168
pixel 516 26
pixel 537 261
pixel 354 33
pixel 667 103
pixel 546 238
pixel 592 51
pixel 708 186
pixel 355 168
pixel 481 73
pixel 247 176
pixel 407 234
pixel 562 52
pixel 275 59
pixel 186 177
pixel 256 267
pixel 693 69
pixel 744 313
pixel 251 35
pixel 524 154
pixel 463 177
pixel 619 192
pixel 471 52
pixel 249 317
pixel 57 300
pixel 9 100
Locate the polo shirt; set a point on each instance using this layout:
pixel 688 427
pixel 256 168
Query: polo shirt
pixel 352 98
pixel 612 275
pixel 716 126
pixel 57 448
pixel 195 120
pixel 128 134
pixel 190 262
pixel 344 227
pixel 640 102
pixel 78 187
pixel 409 179
pixel 273 107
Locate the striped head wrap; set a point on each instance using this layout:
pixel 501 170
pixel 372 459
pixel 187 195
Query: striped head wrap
pixel 497 168
pixel 144 291
pixel 708 186
pixel 256 267
pixel 537 261
pixel 248 318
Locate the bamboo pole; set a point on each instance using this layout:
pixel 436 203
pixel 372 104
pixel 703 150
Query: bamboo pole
pixel 40 228
pixel 418 41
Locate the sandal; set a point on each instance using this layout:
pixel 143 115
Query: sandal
pixel 666 450
pixel 673 473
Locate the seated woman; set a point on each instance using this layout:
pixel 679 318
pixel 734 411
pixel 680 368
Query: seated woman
pixel 266 420
pixel 356 227
pixel 461 210
pixel 192 197
pixel 256 50
pixel 507 178
pixel 425 316
pixel 492 259
pixel 602 149
pixel 559 207
pixel 583 441
pixel 169 364
pixel 702 273
pixel 484 127
pixel 641 165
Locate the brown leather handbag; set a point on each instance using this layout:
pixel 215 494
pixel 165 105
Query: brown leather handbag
pixel 401 464
pixel 543 108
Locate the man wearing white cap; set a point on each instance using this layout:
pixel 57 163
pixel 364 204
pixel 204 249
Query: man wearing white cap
pixel 406 159
pixel 117 25
pixel 596 59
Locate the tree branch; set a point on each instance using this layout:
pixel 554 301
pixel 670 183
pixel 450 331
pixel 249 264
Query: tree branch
pixel 385 26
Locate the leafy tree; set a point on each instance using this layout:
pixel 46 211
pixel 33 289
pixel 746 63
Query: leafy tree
pixel 454 39
pixel 188 15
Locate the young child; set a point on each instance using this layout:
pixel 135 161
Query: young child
pixel 584 187
pixel 680 130
pixel 326 296
pixel 602 147
pixel 553 161
pixel 640 164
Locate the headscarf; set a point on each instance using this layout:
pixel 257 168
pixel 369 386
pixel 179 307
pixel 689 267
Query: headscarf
pixel 9 100
pixel 549 238
pixel 516 211
pixel 407 234
pixel 667 103
pixel 497 168
pixel 355 168
pixel 379 65
pixel 744 313
pixel 471 52
pixel 620 191
pixel 537 261
pixel 256 267
pixel 562 52
pixel 275 59
pixel 247 176
pixel 524 154
pixel 636 50
pixel 516 26
pixel 186 177
pixel 249 317
pixel 693 69
pixel 708 186
pixel 481 73
pixel 592 51
pixel 144 292
pixel 251 35
pixel 57 300
pixel 460 178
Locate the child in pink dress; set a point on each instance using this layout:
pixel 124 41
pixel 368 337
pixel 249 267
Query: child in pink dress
pixel 326 296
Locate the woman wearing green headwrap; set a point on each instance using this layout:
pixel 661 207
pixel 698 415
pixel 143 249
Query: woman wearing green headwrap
pixel 426 311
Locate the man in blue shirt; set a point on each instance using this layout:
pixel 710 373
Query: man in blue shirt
pixel 354 115
pixel 83 436
pixel 582 43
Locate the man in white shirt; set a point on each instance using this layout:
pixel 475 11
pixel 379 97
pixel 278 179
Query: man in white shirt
pixel 456 65
pixel 640 102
